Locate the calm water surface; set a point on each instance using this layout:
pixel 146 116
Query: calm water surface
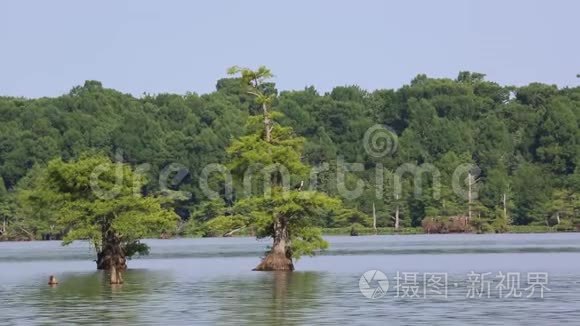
pixel 209 281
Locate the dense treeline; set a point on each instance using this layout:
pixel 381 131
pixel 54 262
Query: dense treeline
pixel 525 141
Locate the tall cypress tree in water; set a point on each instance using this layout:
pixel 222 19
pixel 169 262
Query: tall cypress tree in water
pixel 101 201
pixel 288 216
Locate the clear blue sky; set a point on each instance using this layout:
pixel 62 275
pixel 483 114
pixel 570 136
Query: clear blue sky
pixel 47 47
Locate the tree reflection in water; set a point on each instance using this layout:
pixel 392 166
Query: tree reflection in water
pixel 88 298
pixel 269 297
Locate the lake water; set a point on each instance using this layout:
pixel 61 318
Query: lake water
pixel 209 281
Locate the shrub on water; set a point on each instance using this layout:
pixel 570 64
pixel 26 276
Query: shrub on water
pixel 439 224
pixel 355 229
pixel 531 229
pixel 565 226
pixel 500 226
pixel 480 226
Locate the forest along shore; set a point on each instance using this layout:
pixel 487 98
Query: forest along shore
pixel 356 231
pixel 524 140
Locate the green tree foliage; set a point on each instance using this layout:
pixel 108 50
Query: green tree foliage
pixel 4 208
pixel 520 137
pixel 531 191
pixel 100 201
pixel 38 205
pixel 302 211
pixel 288 216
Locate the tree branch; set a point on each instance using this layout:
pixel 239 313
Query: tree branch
pixel 229 234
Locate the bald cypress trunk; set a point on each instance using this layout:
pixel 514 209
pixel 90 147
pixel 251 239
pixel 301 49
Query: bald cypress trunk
pixel 374 219
pixel 267 124
pixel 112 257
pixel 280 256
